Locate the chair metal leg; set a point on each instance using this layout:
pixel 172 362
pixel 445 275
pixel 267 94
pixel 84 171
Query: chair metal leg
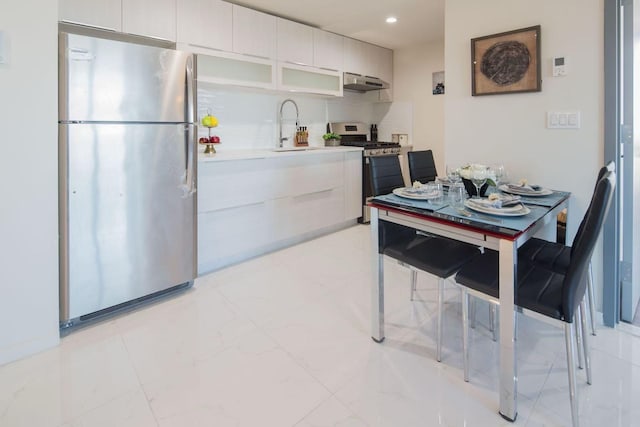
pixel 585 342
pixel 440 310
pixel 472 313
pixel 465 333
pixel 578 332
pixel 592 304
pixel 492 321
pixel 568 339
pixel 414 279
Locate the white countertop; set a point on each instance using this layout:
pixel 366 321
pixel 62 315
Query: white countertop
pixel 225 155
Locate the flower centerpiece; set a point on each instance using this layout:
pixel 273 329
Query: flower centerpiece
pixel 331 139
pixel 209 122
pixel 477 178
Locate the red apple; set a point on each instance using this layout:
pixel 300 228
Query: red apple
pixel 215 139
pixel 203 140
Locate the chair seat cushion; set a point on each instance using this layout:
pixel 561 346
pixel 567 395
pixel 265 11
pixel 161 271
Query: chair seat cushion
pixel 538 289
pixel 436 255
pixel 550 255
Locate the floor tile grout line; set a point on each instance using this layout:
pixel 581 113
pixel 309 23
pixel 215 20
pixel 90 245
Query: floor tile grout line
pixel 140 384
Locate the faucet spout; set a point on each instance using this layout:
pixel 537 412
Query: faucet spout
pixel 281 139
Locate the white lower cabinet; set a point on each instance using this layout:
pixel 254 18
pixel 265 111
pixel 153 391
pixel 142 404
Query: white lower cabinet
pixel 225 236
pixel 250 207
pixel 352 185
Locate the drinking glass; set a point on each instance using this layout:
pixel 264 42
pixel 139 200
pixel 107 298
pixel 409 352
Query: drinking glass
pixel 453 174
pixel 435 188
pixel 478 178
pixel 456 196
pixel 499 173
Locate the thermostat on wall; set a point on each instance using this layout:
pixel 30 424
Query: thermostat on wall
pixel 559 66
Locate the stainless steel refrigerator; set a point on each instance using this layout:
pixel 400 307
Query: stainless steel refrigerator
pixel 127 165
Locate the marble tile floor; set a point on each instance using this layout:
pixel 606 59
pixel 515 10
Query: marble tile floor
pixel 284 340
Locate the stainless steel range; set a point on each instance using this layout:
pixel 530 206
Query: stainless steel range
pixel 357 135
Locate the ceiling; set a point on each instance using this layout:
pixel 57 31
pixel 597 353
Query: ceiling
pixel 419 21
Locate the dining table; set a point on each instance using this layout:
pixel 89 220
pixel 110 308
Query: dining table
pixel 504 234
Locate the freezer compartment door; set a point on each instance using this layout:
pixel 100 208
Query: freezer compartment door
pixel 128 213
pixel 113 81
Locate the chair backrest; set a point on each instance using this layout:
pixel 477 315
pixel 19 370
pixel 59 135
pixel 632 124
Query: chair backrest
pixel 609 167
pixel 422 167
pixel 575 283
pixel 385 173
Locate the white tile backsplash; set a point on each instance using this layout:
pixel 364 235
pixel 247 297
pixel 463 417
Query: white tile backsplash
pixel 248 119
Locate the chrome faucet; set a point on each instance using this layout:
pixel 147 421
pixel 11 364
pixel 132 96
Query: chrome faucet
pixel 281 140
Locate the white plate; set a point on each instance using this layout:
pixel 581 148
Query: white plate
pixel 510 211
pixel 541 192
pixel 412 193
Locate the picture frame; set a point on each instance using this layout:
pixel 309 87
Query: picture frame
pixel 506 62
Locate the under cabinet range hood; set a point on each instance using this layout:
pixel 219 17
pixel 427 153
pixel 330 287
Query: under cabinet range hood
pixel 361 83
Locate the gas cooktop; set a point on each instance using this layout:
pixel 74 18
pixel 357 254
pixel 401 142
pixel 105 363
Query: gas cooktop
pixel 370 144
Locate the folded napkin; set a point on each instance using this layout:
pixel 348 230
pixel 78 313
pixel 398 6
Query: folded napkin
pixel 498 201
pixel 421 192
pixel 525 188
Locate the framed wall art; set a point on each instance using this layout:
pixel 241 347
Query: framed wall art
pixel 507 62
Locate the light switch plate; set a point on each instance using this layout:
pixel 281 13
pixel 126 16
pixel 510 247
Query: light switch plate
pixel 563 120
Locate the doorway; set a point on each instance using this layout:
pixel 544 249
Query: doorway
pixel 621 292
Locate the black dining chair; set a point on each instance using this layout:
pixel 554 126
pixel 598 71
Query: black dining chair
pixel 437 256
pixel 543 291
pixel 386 174
pixel 556 256
pixel 422 167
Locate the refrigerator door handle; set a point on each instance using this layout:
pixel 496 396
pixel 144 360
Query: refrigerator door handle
pixel 189 185
pixel 190 101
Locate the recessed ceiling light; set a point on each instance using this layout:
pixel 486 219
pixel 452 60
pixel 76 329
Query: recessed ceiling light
pixel 391 20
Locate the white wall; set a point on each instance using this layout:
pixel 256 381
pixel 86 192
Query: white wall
pixel 412 69
pixel 29 176
pixel 511 128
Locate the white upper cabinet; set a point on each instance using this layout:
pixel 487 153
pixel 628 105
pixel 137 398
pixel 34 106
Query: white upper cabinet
pixel 151 18
pixel 98 13
pixel 328 50
pixel 368 59
pixel 254 33
pixel 381 62
pixel 205 23
pixel 356 56
pixel 295 42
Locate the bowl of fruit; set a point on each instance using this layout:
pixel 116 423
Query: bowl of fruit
pixel 209 122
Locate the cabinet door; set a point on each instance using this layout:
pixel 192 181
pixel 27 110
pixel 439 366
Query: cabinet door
pixel 151 18
pixel 223 185
pixel 355 56
pixel 230 235
pixel 302 78
pixel 98 13
pixel 381 62
pixel 352 185
pixel 295 42
pixel 382 66
pixel 328 50
pixel 205 23
pixel 254 33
